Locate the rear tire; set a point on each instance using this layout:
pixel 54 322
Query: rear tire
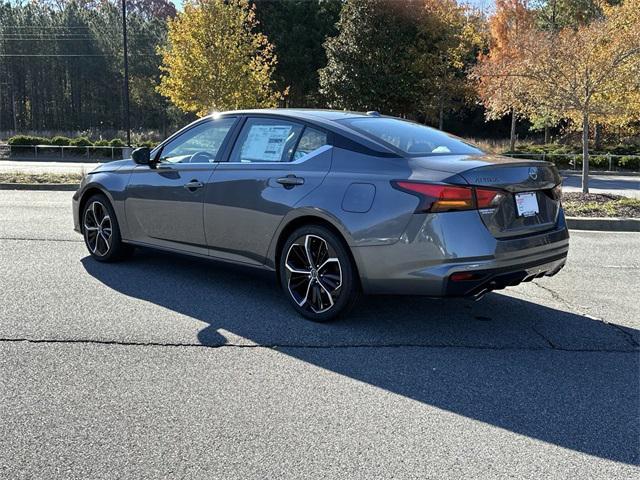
pixel 101 231
pixel 317 274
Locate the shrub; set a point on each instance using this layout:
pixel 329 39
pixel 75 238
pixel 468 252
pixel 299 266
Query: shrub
pixel 147 143
pixel 629 162
pixel 20 140
pixel 550 147
pixel 116 142
pixel 561 159
pixel 80 142
pixel 102 152
pixel 560 149
pixel 60 141
pixel 623 149
pixel 535 151
pixel 599 161
pixel 524 147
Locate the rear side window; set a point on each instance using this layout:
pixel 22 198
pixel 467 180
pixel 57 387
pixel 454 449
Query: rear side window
pixel 310 141
pixel 411 138
pixel 266 140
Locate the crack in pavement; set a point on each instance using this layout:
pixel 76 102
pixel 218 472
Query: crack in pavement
pixel 573 309
pixel 544 337
pixel 310 346
pixel 26 239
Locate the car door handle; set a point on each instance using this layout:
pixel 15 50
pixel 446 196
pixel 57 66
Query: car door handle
pixel 290 181
pixel 193 185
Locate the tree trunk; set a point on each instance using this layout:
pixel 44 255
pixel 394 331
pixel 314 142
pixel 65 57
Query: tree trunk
pixel 441 118
pixel 512 140
pixel 585 153
pixel 597 136
pixel 13 108
pixel 546 133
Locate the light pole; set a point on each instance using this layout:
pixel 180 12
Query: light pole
pixel 127 122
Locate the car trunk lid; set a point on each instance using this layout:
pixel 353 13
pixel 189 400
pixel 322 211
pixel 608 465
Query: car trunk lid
pixel 528 201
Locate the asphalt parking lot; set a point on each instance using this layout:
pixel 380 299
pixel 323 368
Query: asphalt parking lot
pixel 169 367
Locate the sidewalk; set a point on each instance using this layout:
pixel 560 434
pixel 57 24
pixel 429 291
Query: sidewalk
pixel 46 167
pixel 618 185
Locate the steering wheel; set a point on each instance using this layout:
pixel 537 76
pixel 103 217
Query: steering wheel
pixel 201 157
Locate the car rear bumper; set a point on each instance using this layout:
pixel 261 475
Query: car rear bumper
pixel 484 281
pixel 436 246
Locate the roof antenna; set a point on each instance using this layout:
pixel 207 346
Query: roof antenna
pixel 373 113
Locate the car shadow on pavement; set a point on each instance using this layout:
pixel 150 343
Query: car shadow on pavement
pixel 548 374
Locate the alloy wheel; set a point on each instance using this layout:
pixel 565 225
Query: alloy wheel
pixel 313 273
pixel 97 229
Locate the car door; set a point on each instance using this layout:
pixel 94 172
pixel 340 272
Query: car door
pixel 164 204
pixel 274 163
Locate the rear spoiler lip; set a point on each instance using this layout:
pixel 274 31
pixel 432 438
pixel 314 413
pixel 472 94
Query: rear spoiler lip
pixel 514 177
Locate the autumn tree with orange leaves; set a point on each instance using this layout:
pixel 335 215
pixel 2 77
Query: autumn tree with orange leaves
pixel 581 73
pixel 500 92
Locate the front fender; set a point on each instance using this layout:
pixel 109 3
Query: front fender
pixel 113 185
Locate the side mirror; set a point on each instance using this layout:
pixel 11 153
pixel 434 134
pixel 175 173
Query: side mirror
pixel 142 156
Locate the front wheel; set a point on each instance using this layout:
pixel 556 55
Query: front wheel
pixel 102 232
pixel 317 274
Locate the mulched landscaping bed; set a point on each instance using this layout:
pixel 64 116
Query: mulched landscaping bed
pixel 599 205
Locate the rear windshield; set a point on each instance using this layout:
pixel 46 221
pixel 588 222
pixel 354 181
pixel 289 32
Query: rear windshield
pixel 411 138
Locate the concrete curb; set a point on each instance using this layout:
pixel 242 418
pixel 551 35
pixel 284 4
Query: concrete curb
pixel 55 187
pixel 604 224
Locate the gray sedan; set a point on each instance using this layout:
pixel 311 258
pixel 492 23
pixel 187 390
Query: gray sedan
pixel 335 203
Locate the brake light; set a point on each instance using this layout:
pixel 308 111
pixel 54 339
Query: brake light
pixel 439 198
pixel 445 198
pixel 487 198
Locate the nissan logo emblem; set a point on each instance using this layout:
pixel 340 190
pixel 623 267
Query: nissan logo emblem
pixel 533 173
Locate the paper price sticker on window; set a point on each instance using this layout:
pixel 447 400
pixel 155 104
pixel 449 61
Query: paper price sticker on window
pixel 265 143
pixel 527 204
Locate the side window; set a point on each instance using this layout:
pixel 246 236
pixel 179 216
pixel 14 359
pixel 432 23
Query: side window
pixel 199 144
pixel 311 140
pixel 266 140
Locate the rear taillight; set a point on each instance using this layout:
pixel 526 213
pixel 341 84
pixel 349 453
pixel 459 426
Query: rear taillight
pixel 445 198
pixel 438 198
pixel 486 198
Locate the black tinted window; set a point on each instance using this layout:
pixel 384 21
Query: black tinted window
pixel 411 138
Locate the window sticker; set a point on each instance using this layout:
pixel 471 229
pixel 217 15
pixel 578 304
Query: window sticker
pixel 265 143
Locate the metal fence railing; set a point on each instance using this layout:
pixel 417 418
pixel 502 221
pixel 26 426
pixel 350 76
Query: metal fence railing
pixel 609 161
pixel 59 153
pixel 63 153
